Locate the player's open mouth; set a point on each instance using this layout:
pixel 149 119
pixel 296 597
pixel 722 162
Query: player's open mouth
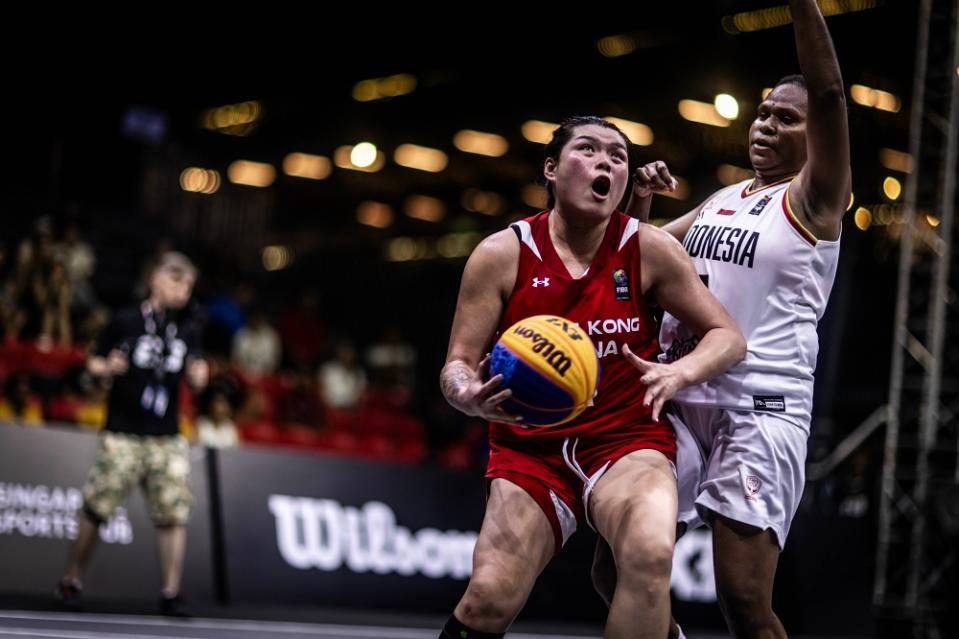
pixel 601 186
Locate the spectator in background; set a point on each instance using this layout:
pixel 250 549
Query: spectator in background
pixel 33 262
pixel 79 261
pixel 52 294
pixel 90 326
pixel 20 404
pixel 302 332
pixel 300 403
pixel 342 379
pixel 256 346
pixel 92 409
pixel 215 427
pixel 392 361
pixel 856 487
pixel 229 310
pixel 35 249
pixel 12 317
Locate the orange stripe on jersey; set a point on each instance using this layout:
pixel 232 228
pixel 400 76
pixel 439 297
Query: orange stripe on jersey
pixel 802 230
pixel 749 190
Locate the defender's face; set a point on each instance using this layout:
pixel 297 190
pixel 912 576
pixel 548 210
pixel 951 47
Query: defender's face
pixel 777 137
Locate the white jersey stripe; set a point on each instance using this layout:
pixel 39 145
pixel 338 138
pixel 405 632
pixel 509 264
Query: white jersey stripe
pixel 632 227
pixel 525 233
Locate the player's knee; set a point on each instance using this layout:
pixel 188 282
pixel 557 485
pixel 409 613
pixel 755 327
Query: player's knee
pixel 645 563
pixel 491 600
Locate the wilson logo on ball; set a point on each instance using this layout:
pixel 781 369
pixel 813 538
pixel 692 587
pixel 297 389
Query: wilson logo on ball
pixel 547 349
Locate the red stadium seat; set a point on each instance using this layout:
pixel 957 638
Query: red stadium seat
pixel 411 451
pixel 261 433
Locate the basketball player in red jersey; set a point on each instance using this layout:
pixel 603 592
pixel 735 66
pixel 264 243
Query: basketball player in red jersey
pixel 743 435
pixel 613 465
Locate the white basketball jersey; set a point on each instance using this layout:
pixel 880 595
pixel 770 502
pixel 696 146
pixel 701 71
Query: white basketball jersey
pixel 773 277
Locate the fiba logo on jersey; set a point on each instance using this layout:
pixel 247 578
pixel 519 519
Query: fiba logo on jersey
pixel 760 205
pixel 621 284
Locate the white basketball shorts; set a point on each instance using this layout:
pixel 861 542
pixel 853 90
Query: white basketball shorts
pixel 747 466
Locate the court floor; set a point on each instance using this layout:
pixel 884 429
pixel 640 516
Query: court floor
pixel 63 625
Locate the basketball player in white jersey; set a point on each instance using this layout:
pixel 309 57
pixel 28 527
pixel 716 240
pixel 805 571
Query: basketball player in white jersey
pixel 767 248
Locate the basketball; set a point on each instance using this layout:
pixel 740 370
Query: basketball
pixel 550 365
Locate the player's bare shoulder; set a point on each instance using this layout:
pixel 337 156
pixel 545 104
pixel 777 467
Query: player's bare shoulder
pixel 656 242
pixel 500 246
pixel 495 261
pixel 662 256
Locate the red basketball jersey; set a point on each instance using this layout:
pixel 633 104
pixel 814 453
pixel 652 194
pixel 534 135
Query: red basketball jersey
pixel 608 304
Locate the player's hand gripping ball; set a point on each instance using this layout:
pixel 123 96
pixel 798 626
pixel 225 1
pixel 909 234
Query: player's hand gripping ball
pixel 550 365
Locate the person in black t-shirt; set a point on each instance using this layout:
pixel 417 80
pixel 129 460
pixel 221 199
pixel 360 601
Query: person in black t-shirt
pixel 146 350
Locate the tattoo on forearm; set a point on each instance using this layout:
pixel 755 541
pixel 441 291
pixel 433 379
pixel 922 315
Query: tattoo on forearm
pixel 455 377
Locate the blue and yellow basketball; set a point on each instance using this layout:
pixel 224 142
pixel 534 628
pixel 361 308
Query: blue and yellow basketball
pixel 550 365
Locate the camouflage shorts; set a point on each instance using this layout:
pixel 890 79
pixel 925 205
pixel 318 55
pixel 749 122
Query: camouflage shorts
pixel 161 465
